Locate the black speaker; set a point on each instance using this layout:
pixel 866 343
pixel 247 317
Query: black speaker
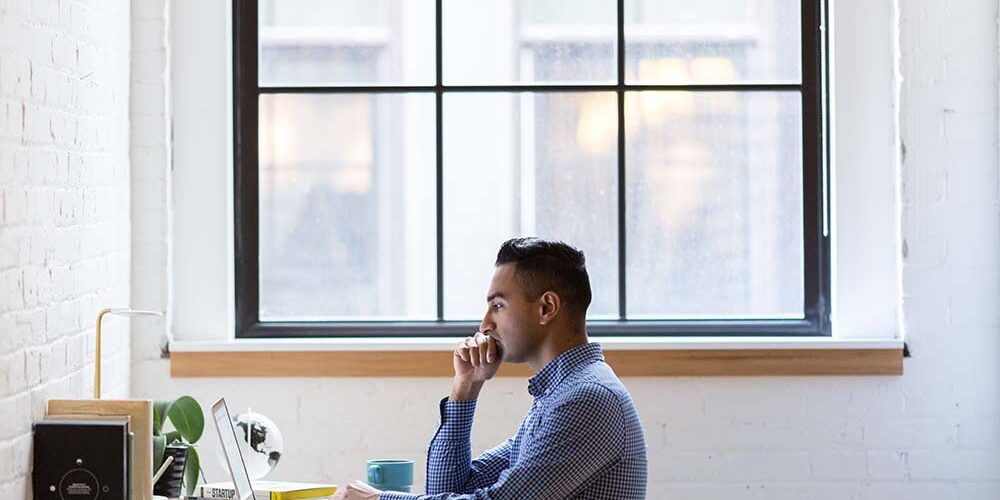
pixel 81 460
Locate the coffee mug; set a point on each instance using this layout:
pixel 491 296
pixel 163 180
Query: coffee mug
pixel 391 475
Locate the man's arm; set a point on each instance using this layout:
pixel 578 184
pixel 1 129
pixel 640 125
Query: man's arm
pixel 475 360
pixel 583 437
pixel 448 458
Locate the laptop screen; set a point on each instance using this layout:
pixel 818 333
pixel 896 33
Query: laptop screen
pixel 231 448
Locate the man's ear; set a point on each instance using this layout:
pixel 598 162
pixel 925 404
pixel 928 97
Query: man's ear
pixel 549 305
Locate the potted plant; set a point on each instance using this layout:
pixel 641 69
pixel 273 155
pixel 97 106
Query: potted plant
pixel 186 425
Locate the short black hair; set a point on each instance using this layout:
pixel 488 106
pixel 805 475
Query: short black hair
pixel 545 265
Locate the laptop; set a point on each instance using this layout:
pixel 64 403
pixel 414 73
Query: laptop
pixel 231 448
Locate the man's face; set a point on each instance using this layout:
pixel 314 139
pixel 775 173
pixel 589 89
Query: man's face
pixel 510 317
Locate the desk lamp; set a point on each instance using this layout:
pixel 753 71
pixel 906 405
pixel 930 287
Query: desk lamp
pixel 100 316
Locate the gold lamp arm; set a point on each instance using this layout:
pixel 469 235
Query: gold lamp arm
pixel 97 358
pixel 97 351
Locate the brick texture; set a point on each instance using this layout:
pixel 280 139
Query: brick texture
pixel 151 158
pixel 64 211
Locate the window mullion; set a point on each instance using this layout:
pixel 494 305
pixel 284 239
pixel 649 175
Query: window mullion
pixel 621 159
pixel 439 155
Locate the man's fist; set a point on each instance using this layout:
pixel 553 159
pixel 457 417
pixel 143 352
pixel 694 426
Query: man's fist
pixel 357 490
pixel 476 360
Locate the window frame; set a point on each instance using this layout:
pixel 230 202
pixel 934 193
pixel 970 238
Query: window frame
pixel 815 192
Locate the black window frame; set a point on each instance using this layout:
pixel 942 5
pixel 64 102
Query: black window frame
pixel 816 231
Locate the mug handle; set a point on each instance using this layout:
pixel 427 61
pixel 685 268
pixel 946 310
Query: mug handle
pixel 374 474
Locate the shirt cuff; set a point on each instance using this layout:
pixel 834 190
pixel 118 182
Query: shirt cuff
pixel 457 416
pixel 395 495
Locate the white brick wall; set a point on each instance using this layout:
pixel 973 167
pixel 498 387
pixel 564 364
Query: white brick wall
pixel 64 220
pixel 933 433
pixel 151 162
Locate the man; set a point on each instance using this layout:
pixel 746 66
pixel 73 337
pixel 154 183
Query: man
pixel 582 437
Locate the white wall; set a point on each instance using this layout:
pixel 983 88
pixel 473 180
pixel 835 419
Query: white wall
pixel 64 211
pixel 932 433
pixel 151 157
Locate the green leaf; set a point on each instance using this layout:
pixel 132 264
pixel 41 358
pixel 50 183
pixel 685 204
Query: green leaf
pixel 160 409
pixel 173 437
pixel 191 471
pixel 186 416
pixel 159 450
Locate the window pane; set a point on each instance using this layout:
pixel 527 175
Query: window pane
pixel 346 42
pixel 528 165
pixel 347 207
pixel 714 190
pixel 712 41
pixel 528 41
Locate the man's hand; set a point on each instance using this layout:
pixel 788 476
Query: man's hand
pixel 476 360
pixel 357 490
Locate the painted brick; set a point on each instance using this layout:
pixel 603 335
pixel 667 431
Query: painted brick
pixel 907 491
pixel 148 34
pixel 957 465
pixel 846 396
pixel 44 11
pixel 16 72
pixel 908 434
pixel 17 489
pixel 778 434
pixel 15 207
pixel 732 466
pixel 838 465
pixel 149 9
pixel 979 491
pixel 7 460
pixel 979 434
pixel 148 97
pixel 17 379
pixel 49 115
pixel 887 465
pixel 753 401
pixel 150 66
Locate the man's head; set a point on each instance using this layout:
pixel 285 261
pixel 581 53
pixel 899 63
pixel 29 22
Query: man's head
pixel 549 266
pixel 539 287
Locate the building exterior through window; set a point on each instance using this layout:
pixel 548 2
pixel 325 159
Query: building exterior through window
pixel 713 196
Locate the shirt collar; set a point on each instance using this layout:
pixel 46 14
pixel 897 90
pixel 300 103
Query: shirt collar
pixel 564 364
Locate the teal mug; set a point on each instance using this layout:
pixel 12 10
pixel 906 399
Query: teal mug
pixel 391 475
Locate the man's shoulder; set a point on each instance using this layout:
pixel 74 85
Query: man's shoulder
pixel 595 404
pixel 599 373
pixel 597 383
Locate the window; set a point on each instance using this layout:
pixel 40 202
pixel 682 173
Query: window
pixel 385 148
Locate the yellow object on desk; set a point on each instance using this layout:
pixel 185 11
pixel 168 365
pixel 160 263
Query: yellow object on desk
pixel 271 490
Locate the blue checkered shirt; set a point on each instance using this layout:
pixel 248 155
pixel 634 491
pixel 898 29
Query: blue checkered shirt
pixel 581 439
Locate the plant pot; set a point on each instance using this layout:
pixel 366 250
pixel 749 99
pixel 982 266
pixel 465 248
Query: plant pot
pixel 171 482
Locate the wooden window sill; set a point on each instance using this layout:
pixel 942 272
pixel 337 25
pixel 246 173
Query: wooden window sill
pixel 630 357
